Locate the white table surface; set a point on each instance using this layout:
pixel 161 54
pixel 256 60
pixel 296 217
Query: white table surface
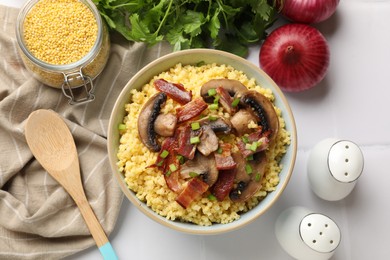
pixel 351 103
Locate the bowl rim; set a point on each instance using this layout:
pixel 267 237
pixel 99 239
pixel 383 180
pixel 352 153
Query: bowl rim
pixel 118 112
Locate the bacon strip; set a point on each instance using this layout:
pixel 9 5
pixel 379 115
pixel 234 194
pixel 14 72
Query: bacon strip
pixel 263 144
pixel 224 184
pixel 190 110
pixel 185 148
pixel 172 177
pixel 226 100
pixel 174 90
pixel 224 160
pixel 172 181
pixel 195 188
pixel 168 145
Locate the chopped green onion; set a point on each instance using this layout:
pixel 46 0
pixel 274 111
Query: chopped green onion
pixel 212 92
pixel 164 154
pixel 122 127
pixel 235 102
pixel 195 140
pixel 160 163
pixel 248 168
pixel 200 63
pixel 245 139
pixel 212 197
pixel 219 150
pixel 180 158
pixel 216 99
pixel 257 178
pixel 213 106
pixel 193 174
pixel 195 126
pixel 254 146
pixel 213 118
pixel 249 158
pixel 172 167
pixel 168 173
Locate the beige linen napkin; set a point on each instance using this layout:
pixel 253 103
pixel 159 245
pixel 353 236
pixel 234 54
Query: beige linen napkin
pixel 38 219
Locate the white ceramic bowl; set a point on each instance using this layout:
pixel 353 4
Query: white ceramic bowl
pixel 195 56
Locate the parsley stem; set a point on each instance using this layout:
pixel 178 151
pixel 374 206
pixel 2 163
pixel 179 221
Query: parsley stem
pixel 164 18
pixel 223 13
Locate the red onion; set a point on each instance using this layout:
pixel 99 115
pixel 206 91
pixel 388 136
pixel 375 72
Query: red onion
pixel 295 56
pixel 308 11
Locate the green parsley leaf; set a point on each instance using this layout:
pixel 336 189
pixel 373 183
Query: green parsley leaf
pixel 192 22
pixel 214 25
pixel 229 25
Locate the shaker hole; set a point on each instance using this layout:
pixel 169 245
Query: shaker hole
pixel 331 241
pixel 347 146
pixel 346 173
pixel 346 160
pixel 320 233
pixel 309 224
pixel 314 241
pixel 326 225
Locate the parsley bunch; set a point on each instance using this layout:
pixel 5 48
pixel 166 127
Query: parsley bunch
pixel 229 25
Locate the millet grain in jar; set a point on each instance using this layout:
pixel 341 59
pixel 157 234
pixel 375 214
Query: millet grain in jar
pixel 60 38
pixel 60 31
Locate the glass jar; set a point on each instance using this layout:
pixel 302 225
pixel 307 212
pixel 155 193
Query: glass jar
pixel 74 75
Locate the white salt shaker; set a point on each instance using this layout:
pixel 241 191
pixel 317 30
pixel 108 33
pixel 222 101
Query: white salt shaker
pixel 334 167
pixel 306 235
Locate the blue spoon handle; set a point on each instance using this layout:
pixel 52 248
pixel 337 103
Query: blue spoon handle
pixel 108 252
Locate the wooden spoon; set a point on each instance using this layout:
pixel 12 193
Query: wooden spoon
pixel 53 146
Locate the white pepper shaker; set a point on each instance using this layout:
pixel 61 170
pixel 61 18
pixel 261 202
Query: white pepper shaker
pixel 306 235
pixel 334 167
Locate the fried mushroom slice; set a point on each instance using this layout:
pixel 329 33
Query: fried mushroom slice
pixel 165 124
pixel 147 118
pixel 234 87
pixel 241 119
pixel 202 166
pixel 248 176
pixel 218 124
pixel 208 141
pixel 263 110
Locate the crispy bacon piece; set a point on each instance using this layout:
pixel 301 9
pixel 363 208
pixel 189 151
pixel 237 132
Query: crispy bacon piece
pixel 185 148
pixel 173 182
pixel 174 90
pixel 168 145
pixel 163 164
pixel 226 100
pixel 257 134
pixel 190 110
pixel 195 188
pixel 172 172
pixel 224 184
pixel 261 145
pixel 224 160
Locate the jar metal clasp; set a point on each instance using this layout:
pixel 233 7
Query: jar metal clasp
pixel 78 78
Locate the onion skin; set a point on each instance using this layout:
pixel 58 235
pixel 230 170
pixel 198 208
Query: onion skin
pixel 308 11
pixel 295 56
